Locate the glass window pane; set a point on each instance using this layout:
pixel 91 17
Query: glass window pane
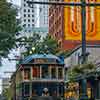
pixel 53 72
pixel 26 74
pixel 60 73
pixel 45 73
pixel 36 72
pixel 26 89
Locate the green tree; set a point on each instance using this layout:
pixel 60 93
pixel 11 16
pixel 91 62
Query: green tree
pixel 80 70
pixel 8 27
pixel 48 45
pixel 45 45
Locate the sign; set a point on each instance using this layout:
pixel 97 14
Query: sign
pixel 73 22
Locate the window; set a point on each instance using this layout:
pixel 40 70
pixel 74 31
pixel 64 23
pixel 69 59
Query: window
pixel 32 10
pixel 28 25
pixel 24 25
pixel 28 20
pixel 36 72
pixel 45 73
pixel 24 10
pixel 27 74
pixel 26 89
pixel 24 15
pixel 32 15
pixel 28 10
pixel 32 20
pixel 32 24
pixel 24 5
pixel 60 73
pixel 24 20
pixel 28 15
pixel 53 72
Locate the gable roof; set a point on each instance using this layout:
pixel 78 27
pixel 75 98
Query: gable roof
pixel 43 56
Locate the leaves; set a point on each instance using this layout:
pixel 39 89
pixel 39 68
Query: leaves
pixel 45 45
pixel 82 69
pixel 8 26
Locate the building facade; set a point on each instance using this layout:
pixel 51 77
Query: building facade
pixel 56 23
pixel 28 17
pixel 93 79
pixel 43 14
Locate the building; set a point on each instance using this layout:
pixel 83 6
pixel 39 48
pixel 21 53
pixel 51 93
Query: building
pixel 93 79
pixel 74 58
pixel 43 14
pixel 40 72
pixel 56 23
pixel 28 17
pixel 65 25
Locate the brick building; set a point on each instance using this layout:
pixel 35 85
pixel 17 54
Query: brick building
pixel 58 27
pixel 56 23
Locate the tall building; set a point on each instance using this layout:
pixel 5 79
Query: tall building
pixel 56 23
pixel 65 25
pixel 28 17
pixel 43 14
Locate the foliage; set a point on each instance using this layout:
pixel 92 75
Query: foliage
pixel 8 27
pixel 80 70
pixel 7 93
pixel 46 45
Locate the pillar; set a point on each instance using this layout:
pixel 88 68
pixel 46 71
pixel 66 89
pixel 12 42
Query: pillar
pixel 84 89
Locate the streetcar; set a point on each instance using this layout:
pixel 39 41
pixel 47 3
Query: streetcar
pixel 38 75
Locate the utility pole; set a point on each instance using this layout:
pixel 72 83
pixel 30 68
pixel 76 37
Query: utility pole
pixel 83 4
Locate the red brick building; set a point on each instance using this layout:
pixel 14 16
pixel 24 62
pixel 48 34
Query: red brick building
pixel 56 27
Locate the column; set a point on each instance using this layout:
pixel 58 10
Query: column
pixel 31 73
pixel 50 71
pixel 23 75
pixel 40 72
pixel 57 72
pixel 63 73
pixel 98 90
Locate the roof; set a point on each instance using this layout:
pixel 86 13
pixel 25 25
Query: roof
pixel 43 56
pixel 80 46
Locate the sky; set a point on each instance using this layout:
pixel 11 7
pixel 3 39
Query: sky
pixel 18 2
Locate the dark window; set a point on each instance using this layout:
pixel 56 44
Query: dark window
pixel 32 15
pixel 28 15
pixel 28 20
pixel 32 20
pixel 28 10
pixel 60 73
pixel 53 72
pixel 24 5
pixel 32 10
pixel 27 74
pixel 26 89
pixel 45 73
pixel 32 24
pixel 24 15
pixel 24 25
pixel 24 20
pixel 28 25
pixel 24 10
pixel 29 31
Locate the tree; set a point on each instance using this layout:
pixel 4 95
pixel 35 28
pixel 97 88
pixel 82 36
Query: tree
pixel 48 45
pixel 8 27
pixel 45 45
pixel 80 70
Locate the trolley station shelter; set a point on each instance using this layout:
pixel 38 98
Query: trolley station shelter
pixel 36 73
